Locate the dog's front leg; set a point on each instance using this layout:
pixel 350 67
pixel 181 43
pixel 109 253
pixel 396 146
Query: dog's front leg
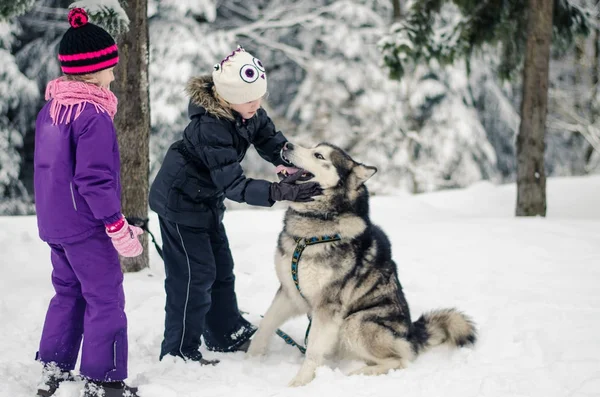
pixel 282 308
pixel 322 341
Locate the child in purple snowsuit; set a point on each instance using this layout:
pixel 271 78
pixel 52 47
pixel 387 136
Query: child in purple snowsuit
pixel 77 197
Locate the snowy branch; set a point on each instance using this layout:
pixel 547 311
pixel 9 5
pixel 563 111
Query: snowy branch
pixel 285 17
pixel 590 132
pixel 298 56
pixel 107 13
pixel 252 14
pixel 57 11
pixel 568 119
pixel 42 25
pixel 269 21
pixel 589 10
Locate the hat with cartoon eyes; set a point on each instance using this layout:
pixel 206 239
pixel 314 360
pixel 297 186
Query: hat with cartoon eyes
pixel 240 77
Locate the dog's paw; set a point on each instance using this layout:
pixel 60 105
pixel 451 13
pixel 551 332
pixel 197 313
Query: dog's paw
pixel 256 349
pixel 367 371
pixel 302 379
pixel 379 369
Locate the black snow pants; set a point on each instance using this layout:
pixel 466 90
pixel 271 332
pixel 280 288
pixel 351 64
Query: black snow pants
pixel 200 289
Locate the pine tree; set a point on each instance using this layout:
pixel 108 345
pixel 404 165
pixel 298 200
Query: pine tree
pixel 426 35
pixel 106 13
pixel 17 95
pixel 593 151
pixel 13 8
pixel 171 66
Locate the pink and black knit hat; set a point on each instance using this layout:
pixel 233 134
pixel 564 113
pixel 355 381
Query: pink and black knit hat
pixel 85 47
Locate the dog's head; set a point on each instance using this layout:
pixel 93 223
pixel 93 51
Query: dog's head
pixel 326 164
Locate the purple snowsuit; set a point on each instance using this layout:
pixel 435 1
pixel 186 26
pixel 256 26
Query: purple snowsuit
pixel 77 192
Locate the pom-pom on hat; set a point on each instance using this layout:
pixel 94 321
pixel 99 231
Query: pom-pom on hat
pixel 240 77
pixel 85 47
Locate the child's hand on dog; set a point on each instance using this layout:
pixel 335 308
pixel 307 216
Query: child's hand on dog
pixel 288 190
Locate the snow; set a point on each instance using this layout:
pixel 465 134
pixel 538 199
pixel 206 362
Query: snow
pixel 109 14
pixel 531 284
pixel 102 6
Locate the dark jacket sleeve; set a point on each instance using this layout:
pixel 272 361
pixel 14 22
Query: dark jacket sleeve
pixel 268 141
pixel 216 150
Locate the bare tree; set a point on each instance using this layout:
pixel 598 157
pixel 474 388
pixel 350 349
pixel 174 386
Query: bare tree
pixel 133 120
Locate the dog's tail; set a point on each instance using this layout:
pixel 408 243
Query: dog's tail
pixel 442 326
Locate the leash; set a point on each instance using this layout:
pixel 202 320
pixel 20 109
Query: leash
pixel 286 338
pixel 301 244
pixel 143 224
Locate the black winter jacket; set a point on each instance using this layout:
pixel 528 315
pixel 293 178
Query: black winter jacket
pixel 203 168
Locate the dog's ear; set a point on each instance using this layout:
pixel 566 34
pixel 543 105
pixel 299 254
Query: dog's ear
pixel 362 173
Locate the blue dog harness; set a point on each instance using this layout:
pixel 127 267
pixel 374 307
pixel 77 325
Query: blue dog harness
pixel 301 244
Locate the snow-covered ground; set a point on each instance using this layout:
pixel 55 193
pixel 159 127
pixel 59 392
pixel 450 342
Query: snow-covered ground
pixel 532 286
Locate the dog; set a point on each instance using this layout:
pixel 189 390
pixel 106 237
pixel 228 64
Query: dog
pixel 336 266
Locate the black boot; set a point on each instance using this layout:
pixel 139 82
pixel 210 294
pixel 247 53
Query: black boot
pixel 194 356
pixel 241 342
pixel 52 377
pixel 244 346
pixel 94 388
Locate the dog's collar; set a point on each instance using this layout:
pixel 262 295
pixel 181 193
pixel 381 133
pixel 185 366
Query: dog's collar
pixel 302 242
pixel 324 216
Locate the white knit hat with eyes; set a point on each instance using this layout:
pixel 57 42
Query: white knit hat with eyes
pixel 240 78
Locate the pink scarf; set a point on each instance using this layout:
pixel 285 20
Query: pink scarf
pixel 69 95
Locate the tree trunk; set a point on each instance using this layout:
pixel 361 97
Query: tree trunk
pixel 595 105
pixel 580 69
pixel 531 176
pixel 133 121
pixel 594 99
pixel 397 15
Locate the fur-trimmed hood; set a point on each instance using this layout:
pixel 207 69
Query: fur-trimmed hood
pixel 200 90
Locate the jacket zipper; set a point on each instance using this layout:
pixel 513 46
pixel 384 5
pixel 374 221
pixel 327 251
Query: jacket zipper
pixel 73 196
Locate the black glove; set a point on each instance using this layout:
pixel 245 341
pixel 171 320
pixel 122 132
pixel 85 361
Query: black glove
pixel 286 189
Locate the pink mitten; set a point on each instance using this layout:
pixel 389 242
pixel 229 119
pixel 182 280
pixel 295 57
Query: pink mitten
pixel 124 238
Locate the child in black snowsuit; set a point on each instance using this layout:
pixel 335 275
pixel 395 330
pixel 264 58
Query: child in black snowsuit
pixel 197 174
